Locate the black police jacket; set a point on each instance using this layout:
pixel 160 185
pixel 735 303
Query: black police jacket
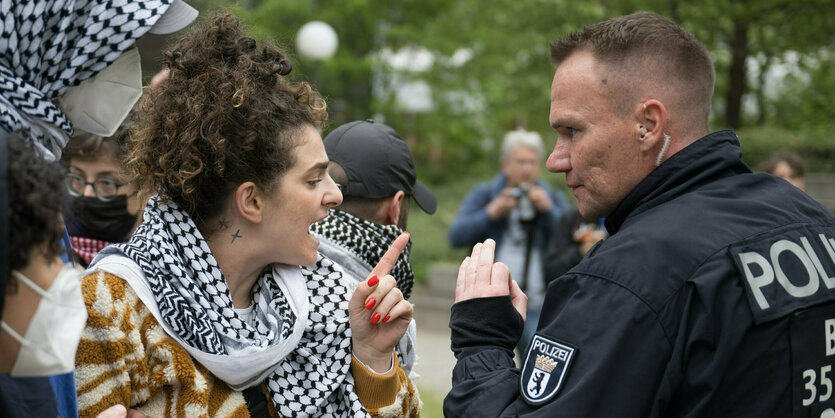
pixel 711 298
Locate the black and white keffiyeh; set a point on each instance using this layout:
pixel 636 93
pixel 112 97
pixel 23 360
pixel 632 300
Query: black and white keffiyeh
pixel 47 46
pixel 368 241
pixel 191 295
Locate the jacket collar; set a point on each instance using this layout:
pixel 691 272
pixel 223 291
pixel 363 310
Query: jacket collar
pixel 711 157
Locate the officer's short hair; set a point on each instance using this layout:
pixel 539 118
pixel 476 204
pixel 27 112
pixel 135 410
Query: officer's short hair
pixel 645 47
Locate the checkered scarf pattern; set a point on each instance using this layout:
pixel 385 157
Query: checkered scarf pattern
pixel 47 46
pixel 368 241
pixel 87 248
pixel 189 288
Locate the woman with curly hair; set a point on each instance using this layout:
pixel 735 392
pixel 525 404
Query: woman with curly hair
pixel 219 304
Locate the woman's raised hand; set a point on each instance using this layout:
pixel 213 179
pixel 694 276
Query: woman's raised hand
pixel 378 313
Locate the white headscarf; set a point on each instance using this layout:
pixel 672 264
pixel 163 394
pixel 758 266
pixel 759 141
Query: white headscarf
pixel 47 46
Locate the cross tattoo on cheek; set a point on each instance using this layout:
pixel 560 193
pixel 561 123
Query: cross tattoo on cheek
pixel 235 236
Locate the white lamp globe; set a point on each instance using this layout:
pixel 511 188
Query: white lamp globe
pixel 316 40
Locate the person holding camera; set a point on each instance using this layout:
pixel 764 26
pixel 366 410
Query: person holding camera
pixel 517 210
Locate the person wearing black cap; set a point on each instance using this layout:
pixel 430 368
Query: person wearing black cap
pixel 374 169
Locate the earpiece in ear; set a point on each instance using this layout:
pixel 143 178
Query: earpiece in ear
pixel 643 131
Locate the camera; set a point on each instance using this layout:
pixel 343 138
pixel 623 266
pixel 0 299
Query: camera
pixel 525 206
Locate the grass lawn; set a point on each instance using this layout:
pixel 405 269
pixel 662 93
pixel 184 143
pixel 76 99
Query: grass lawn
pixel 432 404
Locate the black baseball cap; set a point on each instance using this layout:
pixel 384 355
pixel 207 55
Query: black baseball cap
pixel 377 162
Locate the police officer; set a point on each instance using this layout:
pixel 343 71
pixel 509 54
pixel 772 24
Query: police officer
pixel 713 295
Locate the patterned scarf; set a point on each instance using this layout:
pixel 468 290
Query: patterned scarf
pixel 368 241
pixel 314 379
pixel 47 46
pixel 87 248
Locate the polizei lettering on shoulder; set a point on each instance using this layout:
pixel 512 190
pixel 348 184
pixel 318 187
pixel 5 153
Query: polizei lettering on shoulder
pixel 550 350
pixel 787 270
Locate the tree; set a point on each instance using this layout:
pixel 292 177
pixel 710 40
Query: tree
pixel 501 75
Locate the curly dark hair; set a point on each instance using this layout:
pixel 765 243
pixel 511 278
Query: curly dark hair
pixel 225 116
pixel 35 190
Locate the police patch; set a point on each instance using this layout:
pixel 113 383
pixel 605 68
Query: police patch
pixel 787 270
pixel 544 369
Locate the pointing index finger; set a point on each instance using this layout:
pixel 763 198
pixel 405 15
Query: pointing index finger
pixel 390 257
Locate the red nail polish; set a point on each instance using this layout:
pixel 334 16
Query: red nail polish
pixel 370 303
pixel 373 280
pixel 375 318
pixel 386 319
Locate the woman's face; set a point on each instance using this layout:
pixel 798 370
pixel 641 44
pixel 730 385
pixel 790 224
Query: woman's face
pixel 105 167
pixel 302 197
pixel 783 170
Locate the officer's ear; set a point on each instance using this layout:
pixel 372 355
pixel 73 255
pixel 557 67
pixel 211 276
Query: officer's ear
pixel 651 120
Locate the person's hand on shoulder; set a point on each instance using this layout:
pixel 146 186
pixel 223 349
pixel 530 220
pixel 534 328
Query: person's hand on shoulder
pixel 378 313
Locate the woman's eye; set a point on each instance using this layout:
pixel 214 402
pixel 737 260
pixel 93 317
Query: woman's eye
pixel 315 182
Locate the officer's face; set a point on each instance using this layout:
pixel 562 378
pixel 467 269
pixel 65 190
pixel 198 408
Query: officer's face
pixel 595 148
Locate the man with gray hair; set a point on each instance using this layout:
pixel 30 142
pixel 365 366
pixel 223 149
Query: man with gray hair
pixel 713 295
pixel 517 210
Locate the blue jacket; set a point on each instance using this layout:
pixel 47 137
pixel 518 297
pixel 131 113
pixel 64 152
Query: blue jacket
pixel 23 397
pixel 713 297
pixel 472 225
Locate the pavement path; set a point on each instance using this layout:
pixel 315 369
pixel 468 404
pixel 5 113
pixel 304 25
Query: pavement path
pixel 433 302
pixel 435 361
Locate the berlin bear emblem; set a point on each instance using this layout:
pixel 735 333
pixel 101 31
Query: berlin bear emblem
pixel 544 370
pixel 540 376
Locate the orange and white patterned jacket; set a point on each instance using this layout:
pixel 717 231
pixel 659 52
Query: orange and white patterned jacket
pixel 125 357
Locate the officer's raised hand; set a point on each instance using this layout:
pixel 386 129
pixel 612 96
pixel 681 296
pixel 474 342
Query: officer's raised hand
pixel 480 277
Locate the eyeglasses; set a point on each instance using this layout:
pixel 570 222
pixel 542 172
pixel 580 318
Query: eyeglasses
pixel 104 188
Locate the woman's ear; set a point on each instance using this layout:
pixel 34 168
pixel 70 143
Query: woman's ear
pixel 249 202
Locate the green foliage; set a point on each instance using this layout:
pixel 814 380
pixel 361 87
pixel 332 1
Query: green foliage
pixel 815 145
pixel 506 81
pixel 429 232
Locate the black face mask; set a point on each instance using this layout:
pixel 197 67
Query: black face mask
pixel 105 221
